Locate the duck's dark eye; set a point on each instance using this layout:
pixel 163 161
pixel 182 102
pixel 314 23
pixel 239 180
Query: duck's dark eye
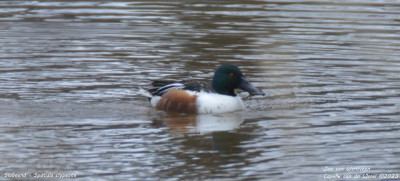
pixel 231 74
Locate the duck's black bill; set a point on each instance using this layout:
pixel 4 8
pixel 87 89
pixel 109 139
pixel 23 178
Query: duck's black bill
pixel 245 85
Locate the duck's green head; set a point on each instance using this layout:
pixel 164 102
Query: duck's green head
pixel 229 77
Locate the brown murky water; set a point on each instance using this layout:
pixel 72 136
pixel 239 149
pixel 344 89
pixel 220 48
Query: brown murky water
pixel 70 70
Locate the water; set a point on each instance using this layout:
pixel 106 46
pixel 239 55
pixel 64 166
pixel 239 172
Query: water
pixel 70 70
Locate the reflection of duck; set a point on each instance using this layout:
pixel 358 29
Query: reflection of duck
pixel 204 123
pixel 198 97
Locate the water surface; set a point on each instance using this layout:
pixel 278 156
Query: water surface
pixel 70 71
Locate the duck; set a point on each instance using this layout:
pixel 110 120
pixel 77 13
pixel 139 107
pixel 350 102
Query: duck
pixel 198 97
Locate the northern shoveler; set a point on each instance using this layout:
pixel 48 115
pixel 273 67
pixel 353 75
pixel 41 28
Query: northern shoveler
pixel 192 96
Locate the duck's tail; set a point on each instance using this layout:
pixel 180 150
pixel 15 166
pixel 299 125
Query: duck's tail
pixel 145 93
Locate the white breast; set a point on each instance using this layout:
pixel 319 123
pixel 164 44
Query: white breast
pixel 218 103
